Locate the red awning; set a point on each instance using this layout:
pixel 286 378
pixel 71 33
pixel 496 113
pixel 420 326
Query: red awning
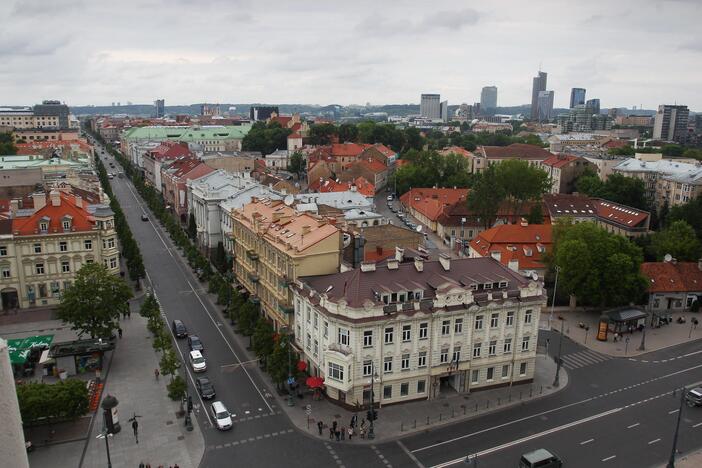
pixel 315 382
pixel 301 366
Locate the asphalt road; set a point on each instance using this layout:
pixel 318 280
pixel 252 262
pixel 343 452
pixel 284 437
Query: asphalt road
pixel 614 412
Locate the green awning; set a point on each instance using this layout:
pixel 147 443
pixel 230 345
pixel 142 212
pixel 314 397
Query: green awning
pixel 19 349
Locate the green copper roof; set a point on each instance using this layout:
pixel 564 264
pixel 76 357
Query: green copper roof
pixel 187 134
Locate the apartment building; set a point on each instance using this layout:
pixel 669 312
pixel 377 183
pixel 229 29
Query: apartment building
pixel 42 248
pixel 411 330
pixel 667 181
pixel 485 156
pixel 563 170
pixel 274 245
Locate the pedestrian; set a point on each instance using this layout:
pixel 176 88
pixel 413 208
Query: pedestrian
pixel 616 335
pixel 135 428
pixel 363 433
pixel 141 465
pixel 129 316
pixel 363 423
pixel 334 425
pixel 343 433
pixel 176 466
pixel 350 432
pixel 156 373
pixel 331 433
pixel 338 435
pixel 320 426
pixel 119 331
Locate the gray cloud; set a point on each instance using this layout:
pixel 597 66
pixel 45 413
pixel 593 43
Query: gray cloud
pixel 451 19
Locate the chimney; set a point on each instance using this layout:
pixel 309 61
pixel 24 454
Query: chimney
pixel 79 201
pixel 55 197
pixel 306 229
pixel 419 263
pixel 496 254
pixel 39 201
pixel 393 264
pixel 523 223
pixel 513 265
pixel 367 266
pixel 445 260
pixel 14 206
pixel 399 254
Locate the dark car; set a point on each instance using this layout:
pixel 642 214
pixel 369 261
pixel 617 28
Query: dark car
pixel 205 388
pixel 179 329
pixel 195 343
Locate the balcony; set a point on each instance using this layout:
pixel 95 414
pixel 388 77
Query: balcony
pixel 251 253
pixel 254 300
pixel 253 277
pixel 288 310
pixel 284 281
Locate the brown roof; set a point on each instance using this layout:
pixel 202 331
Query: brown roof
pixel 619 214
pixel 560 160
pixel 673 276
pixel 432 201
pixel 515 151
pixel 523 242
pixel 560 204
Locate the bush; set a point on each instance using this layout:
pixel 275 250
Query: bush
pixel 43 403
pixel 177 388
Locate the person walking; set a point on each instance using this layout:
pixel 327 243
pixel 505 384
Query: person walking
pixel 338 435
pixel 343 433
pixel 331 433
pixel 135 428
pixel 129 315
pixel 320 426
pixel 141 465
pixel 156 373
pixel 119 331
pixel 350 432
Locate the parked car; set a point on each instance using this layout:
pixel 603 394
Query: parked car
pixel 195 343
pixel 197 361
pixel 179 329
pixel 205 387
pixel 694 397
pixel 221 416
pixel 540 458
pixel 144 217
pixel 390 198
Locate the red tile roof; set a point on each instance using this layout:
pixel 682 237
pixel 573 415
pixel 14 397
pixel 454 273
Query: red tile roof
pixel 81 220
pixel 360 184
pixel 620 214
pixel 169 150
pixel 559 160
pixel 373 165
pixel 525 243
pixel 515 151
pixel 384 149
pixel 431 201
pixel 673 277
pixel 348 149
pixel 456 150
pixel 615 144
pixel 182 167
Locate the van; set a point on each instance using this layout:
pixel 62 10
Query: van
pixel 179 329
pixel 222 417
pixel 540 458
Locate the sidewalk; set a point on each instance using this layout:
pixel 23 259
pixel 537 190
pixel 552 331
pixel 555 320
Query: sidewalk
pixel 656 338
pixel 163 439
pixel 690 460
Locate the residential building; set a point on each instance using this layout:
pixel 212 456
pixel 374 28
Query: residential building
pixel 160 108
pixel 670 123
pixel 20 181
pixel 374 243
pixel 565 142
pixel 42 248
pixel 273 246
pixel 295 142
pixel 491 127
pixel 54 109
pixel 164 154
pixel 582 118
pixel 634 120
pixel 488 98
pixel 430 106
pixel 538 85
pixel 348 200
pixel 259 113
pixel 443 111
pixel 24 118
pixel 427 204
pixel 577 97
pixel 278 160
pixel 242 161
pixel 672 287
pixel 563 171
pixel 44 134
pixel 518 246
pixel 545 106
pixel 424 328
pixel 485 156
pixel 359 185
pixel 667 181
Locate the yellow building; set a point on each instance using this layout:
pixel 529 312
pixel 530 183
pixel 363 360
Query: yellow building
pixel 274 245
pixel 42 248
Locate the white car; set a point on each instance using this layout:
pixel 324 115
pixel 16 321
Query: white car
pixel 390 198
pixel 197 361
pixel 221 416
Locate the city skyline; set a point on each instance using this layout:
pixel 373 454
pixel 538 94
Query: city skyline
pixel 227 57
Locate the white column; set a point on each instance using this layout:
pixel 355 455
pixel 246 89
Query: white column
pixel 12 450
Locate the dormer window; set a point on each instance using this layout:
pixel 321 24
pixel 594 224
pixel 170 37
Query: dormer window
pixel 503 284
pixel 474 287
pixel 44 224
pixel 66 224
pixel 487 286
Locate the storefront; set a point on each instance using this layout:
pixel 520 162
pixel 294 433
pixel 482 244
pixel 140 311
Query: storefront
pixel 626 319
pixel 80 356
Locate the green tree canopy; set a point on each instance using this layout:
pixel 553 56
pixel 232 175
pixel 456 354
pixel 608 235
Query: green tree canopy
pixel 266 138
pixel 93 303
pixel 485 197
pixel 618 188
pixel 321 134
pixel 678 240
pixel 7 144
pixel 429 168
pixel 690 212
pixel 521 182
pixel 297 163
pixel 65 400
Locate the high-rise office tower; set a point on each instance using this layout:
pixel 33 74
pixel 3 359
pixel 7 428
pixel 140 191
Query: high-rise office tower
pixel 488 97
pixel 160 105
pixel 430 106
pixel 593 104
pixel 538 85
pixel 671 123
pixel 544 105
pixel 577 97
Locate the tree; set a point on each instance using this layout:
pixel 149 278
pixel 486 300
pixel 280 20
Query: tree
pixel 192 226
pixel 618 188
pixel 536 215
pixel 598 267
pixel 93 303
pixel 266 138
pixel 177 388
pixel 263 339
pixel 347 132
pixel 278 361
pixel 67 400
pixel 521 182
pixel 297 164
pixel 622 151
pixel 693 153
pixel 7 144
pixel 169 363
pixel 678 240
pixel 321 134
pixel 690 212
pixel 672 150
pixel 220 258
pixel 486 197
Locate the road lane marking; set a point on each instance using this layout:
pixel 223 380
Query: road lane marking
pixel 532 437
pixel 411 456
pixel 633 425
pixel 586 441
pixel 673 411
pixel 609 458
pixel 654 441
pixel 697 425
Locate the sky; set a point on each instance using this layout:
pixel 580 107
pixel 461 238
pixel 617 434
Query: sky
pixel 625 52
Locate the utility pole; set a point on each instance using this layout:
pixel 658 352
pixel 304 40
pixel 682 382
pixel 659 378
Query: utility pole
pixel 642 346
pixel 556 382
pixel 671 460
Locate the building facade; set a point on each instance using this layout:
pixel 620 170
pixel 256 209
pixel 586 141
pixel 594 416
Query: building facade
pixel 538 85
pixel 411 330
pixel 545 106
pixel 577 97
pixel 430 106
pixel 488 97
pixel 670 123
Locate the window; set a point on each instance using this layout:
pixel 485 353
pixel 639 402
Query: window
pixel 308 343
pixel 505 371
pixel 492 348
pixel 522 368
pixel 63 246
pixel 42 290
pixel 343 336
pixel 37 248
pixel 476 350
pixel 507 348
pixel 423 330
pixel 404 364
pixel 527 316
pixel 66 225
pixel 406 333
pixel 367 338
pixel 404 389
pixel 525 343
pixel 43 226
pixel 422 359
pixel 456 353
pixel 113 262
pixel 490 373
pixel 65 266
pixel 316 320
pixel 308 314
pixel 111 243
pixel 389 332
pixel 443 357
pixel 478 322
pixel 326 329
pixel 387 365
pixel 458 326
pixel 315 350
pixel 6 273
pixel 421 386
pixel 367 368
pixel 387 392
pixel 494 320
pixel 445 327
pixel 510 318
pixel 39 268
pixel 336 372
pixel 474 376
pixel 3 250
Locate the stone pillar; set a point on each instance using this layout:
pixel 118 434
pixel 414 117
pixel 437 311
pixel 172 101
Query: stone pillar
pixel 12 450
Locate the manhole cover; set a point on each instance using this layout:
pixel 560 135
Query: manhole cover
pixel 169 422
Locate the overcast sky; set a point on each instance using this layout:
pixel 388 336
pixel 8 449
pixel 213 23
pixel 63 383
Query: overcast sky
pixel 625 52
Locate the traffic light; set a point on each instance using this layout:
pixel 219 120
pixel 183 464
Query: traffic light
pixel 369 416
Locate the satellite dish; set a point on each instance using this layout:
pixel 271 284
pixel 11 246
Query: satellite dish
pixel 419 228
pixel 289 200
pixel 347 240
pixel 668 258
pixel 534 276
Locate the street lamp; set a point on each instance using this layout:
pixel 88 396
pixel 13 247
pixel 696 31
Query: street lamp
pixel 556 382
pixel 105 435
pixel 371 433
pixel 291 401
pixel 642 346
pixel 553 301
pixel 671 460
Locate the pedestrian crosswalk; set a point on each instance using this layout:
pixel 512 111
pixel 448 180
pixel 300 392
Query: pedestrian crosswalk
pixel 583 358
